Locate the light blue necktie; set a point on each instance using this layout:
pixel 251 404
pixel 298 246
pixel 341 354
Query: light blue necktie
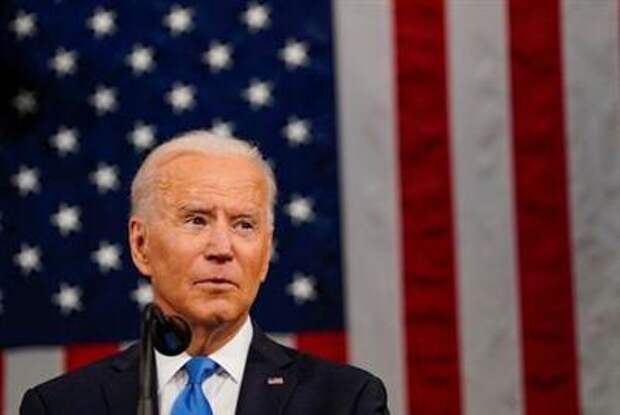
pixel 192 400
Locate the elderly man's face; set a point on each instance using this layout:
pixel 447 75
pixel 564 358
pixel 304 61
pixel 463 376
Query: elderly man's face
pixel 207 241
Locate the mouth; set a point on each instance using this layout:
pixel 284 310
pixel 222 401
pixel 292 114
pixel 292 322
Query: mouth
pixel 215 282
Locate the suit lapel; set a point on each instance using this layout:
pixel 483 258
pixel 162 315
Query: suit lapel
pixel 121 391
pixel 268 380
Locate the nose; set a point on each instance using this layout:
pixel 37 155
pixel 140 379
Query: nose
pixel 219 247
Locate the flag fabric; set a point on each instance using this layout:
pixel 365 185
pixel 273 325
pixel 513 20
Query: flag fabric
pixel 449 171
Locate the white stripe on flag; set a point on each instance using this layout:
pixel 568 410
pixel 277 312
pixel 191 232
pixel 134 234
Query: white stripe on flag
pixel 126 344
pixel 481 154
pixel 369 184
pixel 288 340
pixel 26 367
pixel 593 94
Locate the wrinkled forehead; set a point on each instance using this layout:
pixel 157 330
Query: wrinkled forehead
pixel 193 177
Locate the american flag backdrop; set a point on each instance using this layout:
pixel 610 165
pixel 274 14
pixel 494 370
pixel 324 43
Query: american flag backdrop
pixel 449 172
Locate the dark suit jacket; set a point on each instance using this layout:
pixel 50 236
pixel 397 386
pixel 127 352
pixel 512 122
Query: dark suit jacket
pixel 310 386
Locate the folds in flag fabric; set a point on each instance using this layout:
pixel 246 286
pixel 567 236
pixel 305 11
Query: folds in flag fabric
pixel 449 173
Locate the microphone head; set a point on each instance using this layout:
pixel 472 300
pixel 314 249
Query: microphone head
pixel 171 334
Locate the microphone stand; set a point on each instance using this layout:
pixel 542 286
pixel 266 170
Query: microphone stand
pixel 170 335
pixel 147 398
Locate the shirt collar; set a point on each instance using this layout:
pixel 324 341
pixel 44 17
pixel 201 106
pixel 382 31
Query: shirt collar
pixel 231 357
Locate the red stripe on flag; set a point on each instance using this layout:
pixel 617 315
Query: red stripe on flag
pixel 328 345
pixel 78 355
pixel 428 233
pixel 549 349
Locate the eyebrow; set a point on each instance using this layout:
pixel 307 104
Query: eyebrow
pixel 248 212
pixel 195 209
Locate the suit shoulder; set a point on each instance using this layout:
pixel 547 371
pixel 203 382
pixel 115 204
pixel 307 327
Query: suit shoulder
pixel 339 371
pixel 310 365
pixel 330 387
pixel 87 376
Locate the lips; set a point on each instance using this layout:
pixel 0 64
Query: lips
pixel 220 282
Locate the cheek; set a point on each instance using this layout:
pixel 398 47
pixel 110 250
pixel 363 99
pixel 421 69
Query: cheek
pixel 256 260
pixel 170 256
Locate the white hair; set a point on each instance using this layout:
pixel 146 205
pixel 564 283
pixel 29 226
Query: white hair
pixel 198 141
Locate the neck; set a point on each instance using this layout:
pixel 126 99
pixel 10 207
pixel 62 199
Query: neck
pixel 208 339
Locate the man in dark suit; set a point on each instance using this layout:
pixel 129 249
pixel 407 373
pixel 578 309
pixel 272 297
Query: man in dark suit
pixel 201 230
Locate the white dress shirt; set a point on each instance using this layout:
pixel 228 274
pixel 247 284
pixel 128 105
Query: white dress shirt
pixel 221 389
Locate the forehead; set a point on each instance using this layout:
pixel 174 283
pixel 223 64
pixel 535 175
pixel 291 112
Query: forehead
pixel 195 177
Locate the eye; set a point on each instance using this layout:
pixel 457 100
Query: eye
pixel 244 225
pixel 196 220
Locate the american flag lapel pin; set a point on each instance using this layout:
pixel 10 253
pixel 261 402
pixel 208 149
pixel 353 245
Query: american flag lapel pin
pixel 276 380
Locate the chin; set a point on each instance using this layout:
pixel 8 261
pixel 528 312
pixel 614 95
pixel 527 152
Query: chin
pixel 215 314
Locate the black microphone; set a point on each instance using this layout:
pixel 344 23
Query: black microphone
pixel 170 336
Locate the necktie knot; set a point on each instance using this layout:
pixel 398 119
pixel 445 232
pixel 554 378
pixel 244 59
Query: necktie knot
pixel 199 368
pixel 191 400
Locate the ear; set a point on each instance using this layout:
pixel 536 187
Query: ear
pixel 138 243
